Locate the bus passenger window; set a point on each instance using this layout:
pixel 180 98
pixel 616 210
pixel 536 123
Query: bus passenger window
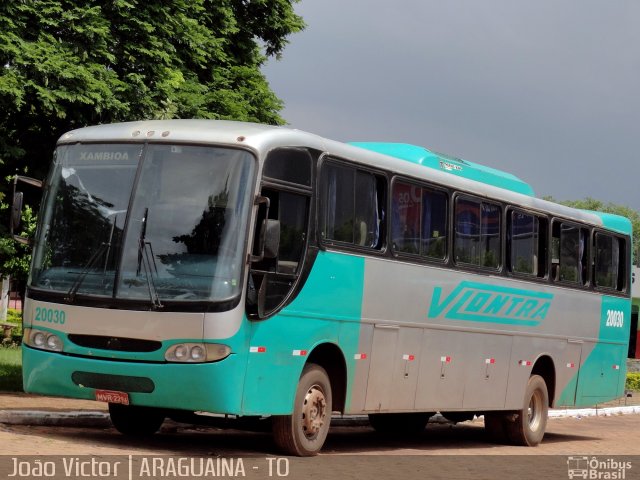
pixel 405 218
pixel 477 233
pixel 434 224
pixel 353 206
pixel 419 221
pixel 570 253
pixel 526 240
pixel 609 262
pixel 367 222
pixel 339 202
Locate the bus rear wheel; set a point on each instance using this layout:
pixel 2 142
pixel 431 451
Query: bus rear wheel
pixel 528 425
pixel 303 433
pixel 399 423
pixel 135 421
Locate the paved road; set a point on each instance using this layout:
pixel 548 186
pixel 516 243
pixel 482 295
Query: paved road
pixel 441 451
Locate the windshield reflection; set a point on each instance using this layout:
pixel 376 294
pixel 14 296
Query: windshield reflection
pixel 182 239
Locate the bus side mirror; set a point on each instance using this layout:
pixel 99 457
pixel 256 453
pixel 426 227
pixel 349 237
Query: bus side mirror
pixel 16 218
pixel 16 212
pixel 16 207
pixel 271 238
pixel 268 242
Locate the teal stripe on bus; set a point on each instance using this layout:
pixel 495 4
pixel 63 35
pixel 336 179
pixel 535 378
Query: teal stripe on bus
pixel 454 166
pixel 327 310
pixel 602 374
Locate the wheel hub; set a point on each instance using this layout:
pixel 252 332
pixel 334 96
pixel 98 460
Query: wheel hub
pixel 534 412
pixel 314 411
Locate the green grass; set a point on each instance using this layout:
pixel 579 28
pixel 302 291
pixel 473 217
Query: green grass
pixel 10 369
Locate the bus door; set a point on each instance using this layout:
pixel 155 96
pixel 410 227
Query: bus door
pixel 287 184
pixel 285 203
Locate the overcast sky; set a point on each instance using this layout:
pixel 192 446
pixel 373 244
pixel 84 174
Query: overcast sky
pixel 547 90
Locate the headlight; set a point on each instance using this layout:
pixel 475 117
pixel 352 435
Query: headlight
pixel 54 343
pixel 197 352
pixel 181 352
pixel 43 340
pixel 39 339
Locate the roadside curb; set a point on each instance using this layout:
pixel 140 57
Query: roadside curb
pixel 98 419
pixel 82 419
pixel 595 412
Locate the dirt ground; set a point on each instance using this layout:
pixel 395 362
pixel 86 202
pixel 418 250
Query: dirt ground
pixel 606 435
pixel 440 451
pixel 25 401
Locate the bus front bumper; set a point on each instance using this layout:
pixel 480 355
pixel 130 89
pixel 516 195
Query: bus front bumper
pixel 209 387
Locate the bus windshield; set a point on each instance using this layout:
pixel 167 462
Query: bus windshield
pixel 157 222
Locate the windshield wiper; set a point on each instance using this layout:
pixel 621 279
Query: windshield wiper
pixel 93 260
pixel 146 260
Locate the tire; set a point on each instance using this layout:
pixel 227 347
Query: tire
pixel 527 426
pixel 136 421
pixel 303 433
pixel 399 423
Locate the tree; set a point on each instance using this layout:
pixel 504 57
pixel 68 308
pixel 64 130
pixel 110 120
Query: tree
pixel 69 63
pixel 15 258
pixel 599 206
pixel 65 64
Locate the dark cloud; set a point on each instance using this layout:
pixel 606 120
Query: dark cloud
pixel 546 90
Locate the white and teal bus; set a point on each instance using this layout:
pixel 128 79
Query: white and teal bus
pixel 195 266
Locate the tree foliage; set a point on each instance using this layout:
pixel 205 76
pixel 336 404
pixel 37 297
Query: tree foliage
pixel 65 64
pixel 599 206
pixel 15 258
pixel 69 63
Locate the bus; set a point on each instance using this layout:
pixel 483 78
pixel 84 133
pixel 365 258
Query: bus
pixel 190 268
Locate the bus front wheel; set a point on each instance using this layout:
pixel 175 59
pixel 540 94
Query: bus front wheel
pixel 303 433
pixel 135 421
pixel 528 425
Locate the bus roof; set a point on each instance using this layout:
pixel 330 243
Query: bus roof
pixel 455 166
pixel 401 158
pixel 614 222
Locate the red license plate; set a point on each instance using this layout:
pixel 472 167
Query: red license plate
pixel 111 396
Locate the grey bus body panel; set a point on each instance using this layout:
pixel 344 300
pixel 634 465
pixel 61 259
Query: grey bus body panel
pixel 415 362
